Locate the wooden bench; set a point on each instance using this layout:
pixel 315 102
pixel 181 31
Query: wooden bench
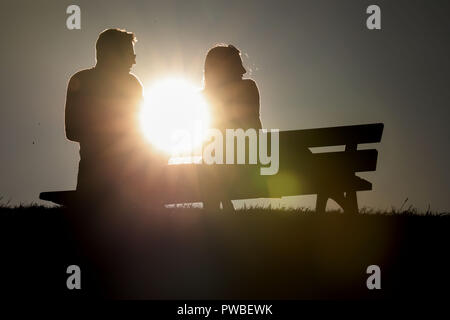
pixel 301 172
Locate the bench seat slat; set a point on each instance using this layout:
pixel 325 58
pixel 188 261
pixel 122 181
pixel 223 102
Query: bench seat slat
pixel 275 189
pixel 340 161
pixel 59 197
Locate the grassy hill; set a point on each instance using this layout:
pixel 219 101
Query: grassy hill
pixel 256 253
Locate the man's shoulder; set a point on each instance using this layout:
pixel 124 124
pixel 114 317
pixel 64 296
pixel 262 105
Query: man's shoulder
pixel 134 84
pixel 80 77
pixel 134 80
pixel 76 80
pixel 82 74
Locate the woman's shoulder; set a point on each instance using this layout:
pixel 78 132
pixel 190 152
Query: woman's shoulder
pixel 249 89
pixel 249 84
pixel 242 87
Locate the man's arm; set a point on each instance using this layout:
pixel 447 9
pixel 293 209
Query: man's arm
pixel 73 109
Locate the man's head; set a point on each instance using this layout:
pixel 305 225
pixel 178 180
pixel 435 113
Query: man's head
pixel 115 49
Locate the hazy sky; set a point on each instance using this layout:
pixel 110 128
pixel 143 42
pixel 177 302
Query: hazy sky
pixel 315 63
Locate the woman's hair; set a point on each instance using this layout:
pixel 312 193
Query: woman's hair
pixel 113 40
pixel 220 61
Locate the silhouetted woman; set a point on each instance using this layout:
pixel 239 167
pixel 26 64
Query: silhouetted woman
pixel 234 101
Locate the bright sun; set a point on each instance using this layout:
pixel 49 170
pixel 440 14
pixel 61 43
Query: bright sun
pixel 174 117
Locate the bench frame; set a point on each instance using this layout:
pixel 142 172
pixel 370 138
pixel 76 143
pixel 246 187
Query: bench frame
pixel 347 200
pixel 343 193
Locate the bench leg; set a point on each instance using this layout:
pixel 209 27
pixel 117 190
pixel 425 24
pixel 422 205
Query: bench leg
pixel 214 206
pixel 348 202
pixel 321 203
pixel 352 202
pixel 227 206
pixel 340 200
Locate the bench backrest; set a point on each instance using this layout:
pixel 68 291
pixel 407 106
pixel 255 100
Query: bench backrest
pixel 334 136
pixel 300 171
pixel 293 145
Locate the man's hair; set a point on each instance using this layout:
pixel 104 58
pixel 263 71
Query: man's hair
pixel 113 40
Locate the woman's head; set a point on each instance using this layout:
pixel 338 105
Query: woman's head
pixel 223 64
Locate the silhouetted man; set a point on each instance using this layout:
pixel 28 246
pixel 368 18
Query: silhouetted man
pixel 101 114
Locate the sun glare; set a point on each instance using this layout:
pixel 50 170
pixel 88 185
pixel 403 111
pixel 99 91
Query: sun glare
pixel 174 117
